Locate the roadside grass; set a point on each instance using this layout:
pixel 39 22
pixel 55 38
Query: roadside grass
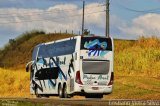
pixel 137 69
pixel 14 83
pixel 135 87
pixel 140 57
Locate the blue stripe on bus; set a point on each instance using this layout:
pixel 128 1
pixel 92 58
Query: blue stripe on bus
pixel 60 70
pixel 50 82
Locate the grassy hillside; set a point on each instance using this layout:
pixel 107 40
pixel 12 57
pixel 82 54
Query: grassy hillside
pixel 19 51
pixel 136 66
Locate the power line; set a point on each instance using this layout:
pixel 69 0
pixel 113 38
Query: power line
pixel 155 10
pixel 142 11
pixel 49 19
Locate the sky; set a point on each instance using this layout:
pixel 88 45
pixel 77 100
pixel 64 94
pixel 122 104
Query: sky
pixel 129 19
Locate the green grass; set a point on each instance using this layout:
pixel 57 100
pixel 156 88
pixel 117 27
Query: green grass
pixel 141 58
pixel 133 87
pixel 14 83
pixel 137 69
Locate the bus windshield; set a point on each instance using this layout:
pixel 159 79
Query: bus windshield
pixel 96 43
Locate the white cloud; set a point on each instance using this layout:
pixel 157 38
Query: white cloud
pixel 146 25
pixel 58 17
pixel 65 7
pixel 95 15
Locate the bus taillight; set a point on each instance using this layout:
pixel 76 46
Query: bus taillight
pixel 78 78
pixel 111 79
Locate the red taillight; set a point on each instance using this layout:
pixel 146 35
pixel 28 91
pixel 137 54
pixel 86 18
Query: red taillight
pixel 111 79
pixel 78 78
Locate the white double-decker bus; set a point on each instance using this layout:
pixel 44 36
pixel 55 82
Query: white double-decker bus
pixel 80 65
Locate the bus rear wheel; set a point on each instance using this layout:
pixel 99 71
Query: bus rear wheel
pixel 65 95
pixel 36 93
pixel 60 91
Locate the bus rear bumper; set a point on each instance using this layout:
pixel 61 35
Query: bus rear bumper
pixel 95 89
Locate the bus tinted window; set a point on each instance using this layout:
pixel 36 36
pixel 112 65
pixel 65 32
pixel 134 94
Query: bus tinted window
pixel 96 43
pixel 57 49
pixel 42 51
pixel 34 53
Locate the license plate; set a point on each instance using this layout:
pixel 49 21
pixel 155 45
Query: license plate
pixel 95 88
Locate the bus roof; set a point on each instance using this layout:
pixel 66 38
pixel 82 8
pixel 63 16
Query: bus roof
pixel 70 38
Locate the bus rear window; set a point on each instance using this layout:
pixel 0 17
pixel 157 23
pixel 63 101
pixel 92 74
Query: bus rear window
pixel 96 43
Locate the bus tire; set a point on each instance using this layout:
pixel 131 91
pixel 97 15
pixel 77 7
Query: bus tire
pixel 60 91
pixel 36 93
pixel 65 95
pixel 46 96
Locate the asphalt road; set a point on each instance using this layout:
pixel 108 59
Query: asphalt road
pixel 55 102
pixel 74 102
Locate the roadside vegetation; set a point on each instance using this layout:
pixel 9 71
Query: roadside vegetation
pixel 14 83
pixel 138 58
pixel 137 69
pixel 136 66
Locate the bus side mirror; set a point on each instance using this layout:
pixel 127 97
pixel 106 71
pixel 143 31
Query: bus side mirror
pixel 28 65
pixel 27 68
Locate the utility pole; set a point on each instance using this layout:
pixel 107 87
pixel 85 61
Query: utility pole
pixel 107 18
pixel 83 18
